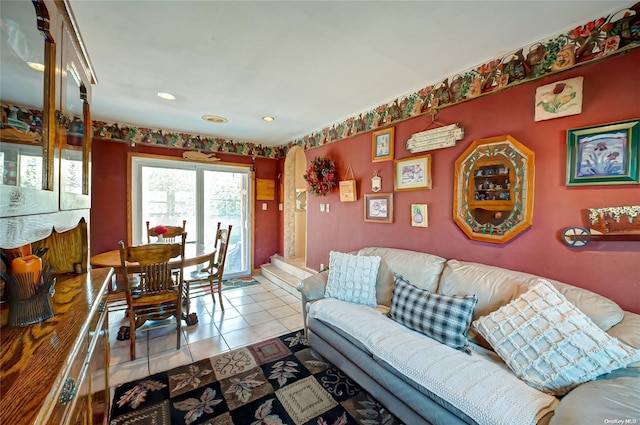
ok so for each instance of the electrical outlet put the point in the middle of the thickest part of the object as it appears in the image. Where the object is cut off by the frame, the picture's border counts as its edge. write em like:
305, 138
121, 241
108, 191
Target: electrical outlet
327, 208
264, 206
280, 206
321, 207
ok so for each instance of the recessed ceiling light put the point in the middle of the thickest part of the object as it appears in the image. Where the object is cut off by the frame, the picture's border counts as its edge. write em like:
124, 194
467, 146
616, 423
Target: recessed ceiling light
215, 119
37, 66
268, 118
166, 96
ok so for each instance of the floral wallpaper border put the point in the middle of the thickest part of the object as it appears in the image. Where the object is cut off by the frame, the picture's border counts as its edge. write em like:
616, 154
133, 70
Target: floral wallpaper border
616, 33
613, 34
155, 137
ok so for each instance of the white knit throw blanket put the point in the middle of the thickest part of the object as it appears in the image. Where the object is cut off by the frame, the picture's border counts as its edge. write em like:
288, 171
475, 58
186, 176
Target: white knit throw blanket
488, 393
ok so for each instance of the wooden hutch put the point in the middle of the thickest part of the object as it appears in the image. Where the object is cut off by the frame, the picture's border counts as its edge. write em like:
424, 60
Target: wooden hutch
54, 371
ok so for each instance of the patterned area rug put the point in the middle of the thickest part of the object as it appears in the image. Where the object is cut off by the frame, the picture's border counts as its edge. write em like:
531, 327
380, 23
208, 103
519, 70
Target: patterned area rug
239, 282
278, 381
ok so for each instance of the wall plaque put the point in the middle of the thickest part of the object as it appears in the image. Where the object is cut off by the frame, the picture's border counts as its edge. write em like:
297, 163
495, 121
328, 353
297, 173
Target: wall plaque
437, 138
265, 190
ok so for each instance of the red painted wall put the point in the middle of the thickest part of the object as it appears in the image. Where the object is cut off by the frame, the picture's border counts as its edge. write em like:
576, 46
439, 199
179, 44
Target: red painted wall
109, 197
611, 93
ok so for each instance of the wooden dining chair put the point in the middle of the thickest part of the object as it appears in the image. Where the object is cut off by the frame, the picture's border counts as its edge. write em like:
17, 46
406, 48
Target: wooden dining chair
173, 232
198, 284
158, 294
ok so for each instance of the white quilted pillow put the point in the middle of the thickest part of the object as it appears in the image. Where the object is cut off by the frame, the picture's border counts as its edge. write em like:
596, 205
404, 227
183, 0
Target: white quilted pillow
549, 343
352, 278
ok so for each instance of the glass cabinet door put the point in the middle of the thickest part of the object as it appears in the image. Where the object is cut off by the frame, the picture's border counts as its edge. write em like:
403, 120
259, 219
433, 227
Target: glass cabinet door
74, 126
27, 69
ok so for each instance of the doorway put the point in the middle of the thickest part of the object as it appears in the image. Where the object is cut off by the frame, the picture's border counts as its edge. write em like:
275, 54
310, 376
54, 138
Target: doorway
295, 206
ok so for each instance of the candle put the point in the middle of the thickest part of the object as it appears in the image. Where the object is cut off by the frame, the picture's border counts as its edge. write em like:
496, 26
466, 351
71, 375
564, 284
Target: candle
28, 264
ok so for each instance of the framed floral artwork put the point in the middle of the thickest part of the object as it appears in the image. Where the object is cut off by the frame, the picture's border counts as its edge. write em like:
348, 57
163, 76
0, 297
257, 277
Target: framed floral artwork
378, 207
559, 99
412, 173
382, 145
604, 154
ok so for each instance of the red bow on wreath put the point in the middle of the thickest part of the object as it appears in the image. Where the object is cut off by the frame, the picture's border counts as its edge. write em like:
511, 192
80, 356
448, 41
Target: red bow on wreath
321, 176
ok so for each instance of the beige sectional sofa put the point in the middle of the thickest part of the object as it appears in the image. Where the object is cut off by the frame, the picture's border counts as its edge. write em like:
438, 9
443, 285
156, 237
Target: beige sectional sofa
425, 382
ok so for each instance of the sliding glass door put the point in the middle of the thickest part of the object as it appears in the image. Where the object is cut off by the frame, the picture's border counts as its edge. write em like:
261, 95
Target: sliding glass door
169, 191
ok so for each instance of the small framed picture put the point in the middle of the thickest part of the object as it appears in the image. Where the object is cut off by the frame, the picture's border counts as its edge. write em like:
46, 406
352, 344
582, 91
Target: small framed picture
559, 99
604, 154
419, 215
412, 173
382, 145
378, 207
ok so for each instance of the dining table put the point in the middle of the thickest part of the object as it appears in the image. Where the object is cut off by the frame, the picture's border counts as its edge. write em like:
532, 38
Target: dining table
194, 255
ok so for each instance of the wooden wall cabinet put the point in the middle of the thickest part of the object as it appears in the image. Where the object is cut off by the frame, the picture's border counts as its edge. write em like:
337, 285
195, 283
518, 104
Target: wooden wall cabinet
493, 189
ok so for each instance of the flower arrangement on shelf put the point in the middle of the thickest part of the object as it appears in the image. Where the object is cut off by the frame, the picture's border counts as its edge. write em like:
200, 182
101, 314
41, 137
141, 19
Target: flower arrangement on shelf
321, 176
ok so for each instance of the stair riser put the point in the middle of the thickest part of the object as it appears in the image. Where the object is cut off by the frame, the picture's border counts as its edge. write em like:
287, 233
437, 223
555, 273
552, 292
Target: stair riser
283, 284
283, 265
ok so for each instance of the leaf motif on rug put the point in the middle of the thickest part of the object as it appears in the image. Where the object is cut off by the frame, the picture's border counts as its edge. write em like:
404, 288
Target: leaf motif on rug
136, 395
264, 417
195, 408
191, 378
297, 339
342, 420
374, 413
317, 362
241, 388
283, 370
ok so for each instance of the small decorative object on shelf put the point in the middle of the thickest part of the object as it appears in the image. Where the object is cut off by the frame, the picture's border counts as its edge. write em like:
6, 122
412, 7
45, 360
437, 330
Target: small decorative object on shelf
28, 284
606, 224
321, 176
29, 296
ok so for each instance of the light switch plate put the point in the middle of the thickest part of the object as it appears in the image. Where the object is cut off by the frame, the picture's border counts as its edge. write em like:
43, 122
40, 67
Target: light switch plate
321, 207
327, 208
280, 206
264, 206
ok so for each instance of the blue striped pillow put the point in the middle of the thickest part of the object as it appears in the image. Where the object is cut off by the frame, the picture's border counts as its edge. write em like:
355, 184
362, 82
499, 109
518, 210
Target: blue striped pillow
442, 317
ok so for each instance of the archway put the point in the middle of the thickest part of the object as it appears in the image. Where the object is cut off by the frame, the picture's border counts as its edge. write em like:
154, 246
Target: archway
295, 215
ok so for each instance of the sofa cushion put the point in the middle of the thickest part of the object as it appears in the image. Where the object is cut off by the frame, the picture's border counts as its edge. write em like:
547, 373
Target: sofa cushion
628, 331
441, 317
485, 391
551, 344
352, 278
418, 267
604, 401
495, 287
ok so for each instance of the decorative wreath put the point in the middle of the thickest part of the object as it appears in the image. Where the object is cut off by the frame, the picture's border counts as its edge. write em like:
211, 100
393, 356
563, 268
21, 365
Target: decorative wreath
321, 176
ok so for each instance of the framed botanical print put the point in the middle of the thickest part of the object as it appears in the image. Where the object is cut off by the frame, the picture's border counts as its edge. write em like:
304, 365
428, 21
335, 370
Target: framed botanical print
378, 207
604, 154
382, 145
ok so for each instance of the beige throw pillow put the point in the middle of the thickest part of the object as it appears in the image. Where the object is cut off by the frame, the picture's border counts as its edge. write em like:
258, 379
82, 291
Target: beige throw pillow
549, 343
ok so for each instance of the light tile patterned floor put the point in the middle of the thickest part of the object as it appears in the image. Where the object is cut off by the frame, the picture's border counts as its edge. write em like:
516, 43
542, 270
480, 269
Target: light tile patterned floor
251, 314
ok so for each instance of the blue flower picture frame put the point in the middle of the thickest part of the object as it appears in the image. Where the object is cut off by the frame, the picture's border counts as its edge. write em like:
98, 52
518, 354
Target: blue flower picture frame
604, 154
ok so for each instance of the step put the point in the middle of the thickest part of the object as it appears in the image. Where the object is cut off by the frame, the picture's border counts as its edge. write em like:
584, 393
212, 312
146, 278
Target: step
283, 264
283, 279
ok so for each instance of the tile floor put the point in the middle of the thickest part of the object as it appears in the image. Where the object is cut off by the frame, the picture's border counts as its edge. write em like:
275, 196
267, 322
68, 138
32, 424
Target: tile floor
252, 314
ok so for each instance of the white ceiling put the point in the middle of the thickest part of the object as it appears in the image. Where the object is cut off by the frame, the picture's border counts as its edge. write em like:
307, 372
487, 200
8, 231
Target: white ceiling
307, 63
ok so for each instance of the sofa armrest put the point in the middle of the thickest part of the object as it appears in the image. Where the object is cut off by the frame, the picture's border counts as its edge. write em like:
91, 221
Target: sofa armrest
312, 288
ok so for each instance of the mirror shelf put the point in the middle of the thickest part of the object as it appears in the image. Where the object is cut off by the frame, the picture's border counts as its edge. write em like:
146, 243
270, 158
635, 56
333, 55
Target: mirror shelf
493, 189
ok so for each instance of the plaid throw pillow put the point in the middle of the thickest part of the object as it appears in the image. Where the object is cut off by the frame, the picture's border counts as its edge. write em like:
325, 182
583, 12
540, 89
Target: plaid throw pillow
441, 317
